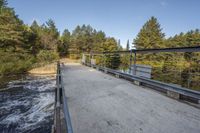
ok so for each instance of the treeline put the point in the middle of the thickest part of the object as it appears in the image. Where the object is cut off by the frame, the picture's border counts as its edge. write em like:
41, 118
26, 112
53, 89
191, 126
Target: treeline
23, 46
178, 68
86, 39
151, 36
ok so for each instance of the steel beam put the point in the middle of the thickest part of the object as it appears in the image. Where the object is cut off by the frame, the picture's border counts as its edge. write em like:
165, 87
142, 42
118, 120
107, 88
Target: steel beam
156, 50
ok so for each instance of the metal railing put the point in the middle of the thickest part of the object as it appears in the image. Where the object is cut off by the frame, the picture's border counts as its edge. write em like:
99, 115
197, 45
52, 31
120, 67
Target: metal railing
61, 106
65, 106
57, 121
184, 93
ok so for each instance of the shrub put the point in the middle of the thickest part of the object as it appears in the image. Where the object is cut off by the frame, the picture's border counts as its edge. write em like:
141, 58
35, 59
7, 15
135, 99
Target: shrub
15, 62
47, 56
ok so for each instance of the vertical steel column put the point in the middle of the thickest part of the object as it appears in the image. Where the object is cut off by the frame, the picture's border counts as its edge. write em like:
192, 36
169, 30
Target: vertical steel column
131, 58
104, 62
189, 80
90, 59
82, 59
135, 56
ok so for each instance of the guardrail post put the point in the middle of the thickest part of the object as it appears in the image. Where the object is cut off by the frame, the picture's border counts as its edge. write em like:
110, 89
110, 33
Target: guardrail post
90, 59
104, 61
135, 56
173, 94
130, 61
83, 60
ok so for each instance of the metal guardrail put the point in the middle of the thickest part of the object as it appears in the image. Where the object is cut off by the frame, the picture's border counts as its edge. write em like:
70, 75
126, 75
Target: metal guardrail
194, 96
65, 108
143, 51
61, 101
57, 121
176, 49
184, 92
141, 70
154, 50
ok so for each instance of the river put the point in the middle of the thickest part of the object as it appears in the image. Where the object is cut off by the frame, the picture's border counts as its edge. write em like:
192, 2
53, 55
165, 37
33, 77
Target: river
27, 104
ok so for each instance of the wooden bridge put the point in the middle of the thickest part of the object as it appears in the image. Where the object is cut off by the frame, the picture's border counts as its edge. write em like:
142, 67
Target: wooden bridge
101, 100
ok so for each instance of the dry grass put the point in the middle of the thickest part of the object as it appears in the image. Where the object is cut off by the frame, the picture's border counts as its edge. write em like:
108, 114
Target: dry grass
47, 69
51, 68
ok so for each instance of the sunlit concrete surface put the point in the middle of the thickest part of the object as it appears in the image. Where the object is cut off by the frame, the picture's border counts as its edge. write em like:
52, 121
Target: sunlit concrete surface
101, 103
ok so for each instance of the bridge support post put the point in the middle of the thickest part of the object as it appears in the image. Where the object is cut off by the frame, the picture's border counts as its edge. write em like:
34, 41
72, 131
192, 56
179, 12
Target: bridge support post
137, 82
130, 61
105, 70
173, 94
83, 60
134, 72
117, 76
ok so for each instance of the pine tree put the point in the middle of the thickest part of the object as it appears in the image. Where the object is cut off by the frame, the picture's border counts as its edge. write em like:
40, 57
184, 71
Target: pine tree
98, 39
35, 27
119, 45
127, 45
63, 47
49, 35
111, 60
11, 28
66, 36
3, 3
150, 36
52, 28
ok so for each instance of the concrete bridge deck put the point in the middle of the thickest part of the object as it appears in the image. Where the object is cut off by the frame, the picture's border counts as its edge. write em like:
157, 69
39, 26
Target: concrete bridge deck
101, 103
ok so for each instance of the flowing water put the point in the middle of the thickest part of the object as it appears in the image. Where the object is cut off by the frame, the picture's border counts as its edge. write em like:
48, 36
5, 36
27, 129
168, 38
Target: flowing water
27, 105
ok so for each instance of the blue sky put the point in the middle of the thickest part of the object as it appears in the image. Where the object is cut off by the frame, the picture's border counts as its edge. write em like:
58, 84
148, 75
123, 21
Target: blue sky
121, 19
